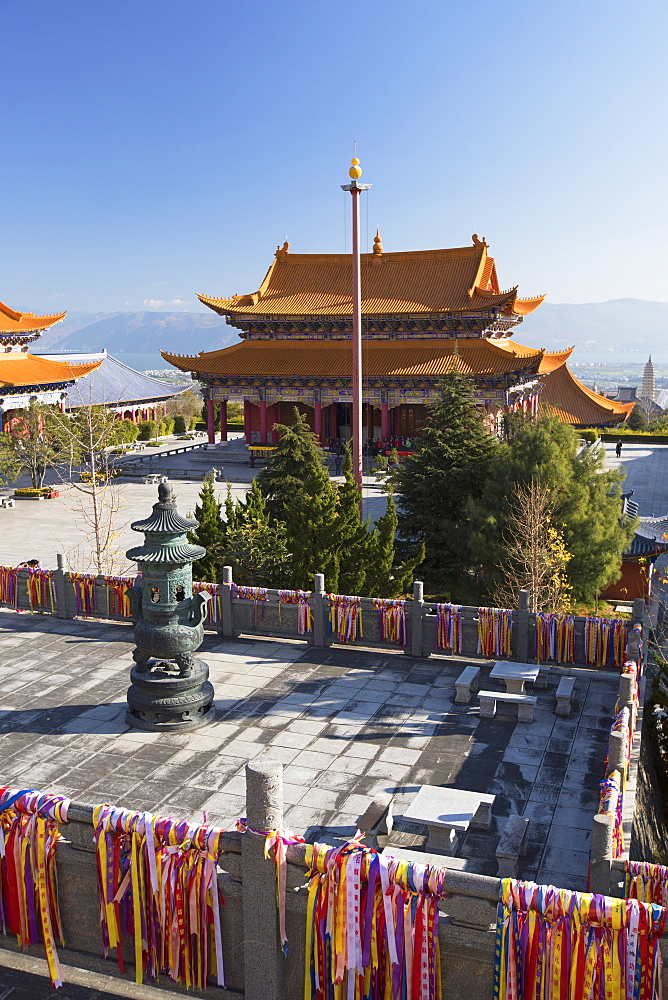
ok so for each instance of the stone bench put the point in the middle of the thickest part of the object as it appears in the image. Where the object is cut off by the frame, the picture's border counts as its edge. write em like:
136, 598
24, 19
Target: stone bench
7, 502
543, 677
564, 695
525, 704
466, 684
376, 818
511, 845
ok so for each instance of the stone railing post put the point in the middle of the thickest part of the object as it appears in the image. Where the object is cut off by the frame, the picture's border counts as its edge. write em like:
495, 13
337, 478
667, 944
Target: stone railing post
638, 613
522, 633
617, 752
61, 590
626, 686
601, 854
318, 609
225, 591
417, 608
263, 958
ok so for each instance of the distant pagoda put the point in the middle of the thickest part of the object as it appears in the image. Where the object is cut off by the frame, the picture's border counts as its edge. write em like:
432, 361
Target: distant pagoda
648, 390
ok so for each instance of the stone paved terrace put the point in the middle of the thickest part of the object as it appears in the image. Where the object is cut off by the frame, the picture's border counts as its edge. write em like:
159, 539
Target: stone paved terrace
346, 723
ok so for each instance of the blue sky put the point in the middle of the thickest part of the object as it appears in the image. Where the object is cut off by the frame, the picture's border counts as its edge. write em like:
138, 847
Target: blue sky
156, 148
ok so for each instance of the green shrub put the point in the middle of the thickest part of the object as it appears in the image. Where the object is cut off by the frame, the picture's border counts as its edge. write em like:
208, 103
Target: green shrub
590, 434
180, 426
147, 429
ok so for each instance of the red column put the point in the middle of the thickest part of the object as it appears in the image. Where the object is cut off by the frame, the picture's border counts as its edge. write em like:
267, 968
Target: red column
385, 420
247, 421
223, 420
210, 422
135, 416
62, 405
317, 421
263, 421
332, 421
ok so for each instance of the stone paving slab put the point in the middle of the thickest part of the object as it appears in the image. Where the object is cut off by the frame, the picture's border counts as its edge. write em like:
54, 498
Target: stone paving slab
346, 723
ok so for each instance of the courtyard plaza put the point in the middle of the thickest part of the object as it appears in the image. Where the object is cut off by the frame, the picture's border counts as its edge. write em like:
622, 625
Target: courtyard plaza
42, 529
347, 724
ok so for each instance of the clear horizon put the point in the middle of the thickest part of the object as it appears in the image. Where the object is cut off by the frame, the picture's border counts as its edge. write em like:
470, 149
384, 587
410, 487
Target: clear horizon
156, 150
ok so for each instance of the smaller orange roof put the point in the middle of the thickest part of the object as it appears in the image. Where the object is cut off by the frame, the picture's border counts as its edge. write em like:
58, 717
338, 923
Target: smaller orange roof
12, 321
18, 369
568, 398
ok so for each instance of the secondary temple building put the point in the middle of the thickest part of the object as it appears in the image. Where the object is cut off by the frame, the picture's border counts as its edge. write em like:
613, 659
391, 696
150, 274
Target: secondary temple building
423, 312
27, 378
69, 380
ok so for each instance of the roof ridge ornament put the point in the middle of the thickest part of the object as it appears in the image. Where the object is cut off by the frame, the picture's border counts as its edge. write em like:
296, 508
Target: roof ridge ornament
479, 243
282, 251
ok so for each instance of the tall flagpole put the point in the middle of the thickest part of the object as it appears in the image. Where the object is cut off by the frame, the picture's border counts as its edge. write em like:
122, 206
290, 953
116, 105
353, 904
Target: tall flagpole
355, 188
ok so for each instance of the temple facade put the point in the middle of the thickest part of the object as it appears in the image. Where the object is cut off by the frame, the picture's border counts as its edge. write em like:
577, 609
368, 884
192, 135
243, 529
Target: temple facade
26, 378
423, 313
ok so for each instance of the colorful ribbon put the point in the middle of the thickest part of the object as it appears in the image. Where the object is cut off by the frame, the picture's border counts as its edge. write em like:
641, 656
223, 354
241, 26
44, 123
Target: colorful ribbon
647, 882
304, 613
256, 594
157, 880
391, 620
41, 588
556, 944
495, 631
117, 600
449, 632
612, 804
345, 616
371, 926
605, 641
8, 589
214, 610
83, 585
277, 840
555, 637
29, 828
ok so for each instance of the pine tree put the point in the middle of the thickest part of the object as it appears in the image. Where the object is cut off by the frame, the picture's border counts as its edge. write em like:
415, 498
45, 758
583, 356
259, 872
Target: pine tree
298, 492
448, 467
209, 533
255, 548
385, 577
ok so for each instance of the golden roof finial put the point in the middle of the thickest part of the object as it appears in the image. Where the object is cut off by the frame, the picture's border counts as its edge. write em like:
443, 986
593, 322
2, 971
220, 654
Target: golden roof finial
355, 171
377, 243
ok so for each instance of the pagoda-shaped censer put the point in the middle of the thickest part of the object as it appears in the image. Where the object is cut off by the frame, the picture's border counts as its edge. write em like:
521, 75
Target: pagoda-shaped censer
170, 689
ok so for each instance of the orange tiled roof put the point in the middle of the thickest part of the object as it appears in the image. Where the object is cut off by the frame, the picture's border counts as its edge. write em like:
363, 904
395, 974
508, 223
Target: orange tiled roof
18, 368
574, 403
333, 359
416, 282
12, 321
550, 359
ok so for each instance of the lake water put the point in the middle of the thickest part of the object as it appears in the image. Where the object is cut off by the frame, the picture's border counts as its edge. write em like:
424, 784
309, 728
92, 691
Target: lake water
144, 362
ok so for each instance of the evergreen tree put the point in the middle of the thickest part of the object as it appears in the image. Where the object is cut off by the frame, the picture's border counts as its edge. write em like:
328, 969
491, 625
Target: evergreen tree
254, 548
352, 540
298, 492
384, 577
209, 532
586, 505
448, 467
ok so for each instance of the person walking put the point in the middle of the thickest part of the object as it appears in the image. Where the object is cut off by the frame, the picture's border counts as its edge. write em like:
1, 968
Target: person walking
618, 448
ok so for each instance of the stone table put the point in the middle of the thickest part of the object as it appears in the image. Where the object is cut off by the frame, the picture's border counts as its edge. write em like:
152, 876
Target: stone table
515, 675
447, 812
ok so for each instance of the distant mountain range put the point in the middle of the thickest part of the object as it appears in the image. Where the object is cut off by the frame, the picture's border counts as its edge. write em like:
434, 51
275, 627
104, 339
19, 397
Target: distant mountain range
618, 330
138, 333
